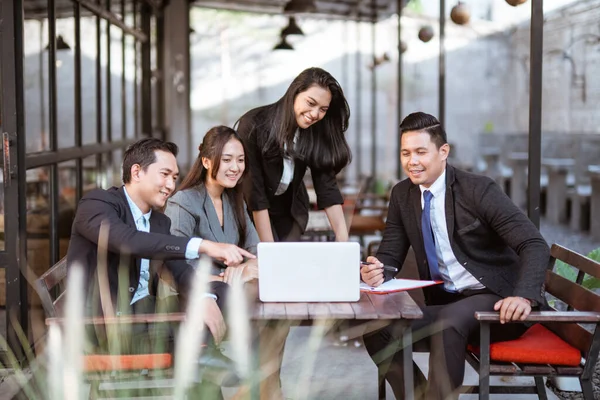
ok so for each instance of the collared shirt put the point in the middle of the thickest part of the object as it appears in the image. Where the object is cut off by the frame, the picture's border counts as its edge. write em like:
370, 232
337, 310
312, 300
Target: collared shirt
288, 171
142, 224
456, 277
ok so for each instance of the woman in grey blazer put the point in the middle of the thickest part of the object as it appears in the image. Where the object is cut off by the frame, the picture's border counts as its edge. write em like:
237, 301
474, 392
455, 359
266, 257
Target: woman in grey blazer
209, 203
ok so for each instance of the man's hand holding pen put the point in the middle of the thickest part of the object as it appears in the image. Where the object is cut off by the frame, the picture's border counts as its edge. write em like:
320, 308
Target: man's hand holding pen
371, 272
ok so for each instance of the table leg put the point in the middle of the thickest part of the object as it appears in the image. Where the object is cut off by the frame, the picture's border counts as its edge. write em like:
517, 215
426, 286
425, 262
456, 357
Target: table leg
409, 383
381, 387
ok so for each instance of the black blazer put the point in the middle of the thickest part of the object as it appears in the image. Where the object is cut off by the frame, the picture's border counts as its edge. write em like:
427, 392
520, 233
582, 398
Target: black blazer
126, 247
489, 235
265, 173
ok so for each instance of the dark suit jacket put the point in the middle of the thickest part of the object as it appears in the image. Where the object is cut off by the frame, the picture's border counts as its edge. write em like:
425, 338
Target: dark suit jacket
265, 173
126, 247
489, 235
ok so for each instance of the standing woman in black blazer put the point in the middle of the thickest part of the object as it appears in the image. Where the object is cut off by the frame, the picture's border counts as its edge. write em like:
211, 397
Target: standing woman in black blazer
305, 128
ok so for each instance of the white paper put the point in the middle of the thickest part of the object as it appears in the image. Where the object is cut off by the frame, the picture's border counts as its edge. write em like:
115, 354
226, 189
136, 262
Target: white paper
396, 285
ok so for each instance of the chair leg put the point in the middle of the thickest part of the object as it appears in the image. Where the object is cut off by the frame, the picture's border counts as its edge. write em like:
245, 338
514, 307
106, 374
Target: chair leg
587, 388
484, 361
94, 389
540, 387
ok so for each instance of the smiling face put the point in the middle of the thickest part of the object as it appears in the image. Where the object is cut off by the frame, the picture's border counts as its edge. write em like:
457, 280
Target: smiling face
150, 188
422, 161
311, 105
231, 165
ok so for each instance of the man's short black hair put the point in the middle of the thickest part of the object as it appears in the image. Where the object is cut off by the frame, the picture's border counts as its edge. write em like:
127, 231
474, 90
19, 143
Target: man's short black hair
420, 121
142, 152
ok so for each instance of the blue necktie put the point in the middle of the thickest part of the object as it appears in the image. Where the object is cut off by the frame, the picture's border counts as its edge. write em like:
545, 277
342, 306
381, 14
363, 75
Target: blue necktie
428, 238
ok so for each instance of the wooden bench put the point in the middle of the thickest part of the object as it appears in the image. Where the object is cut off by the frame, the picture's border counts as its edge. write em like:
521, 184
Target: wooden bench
106, 367
557, 345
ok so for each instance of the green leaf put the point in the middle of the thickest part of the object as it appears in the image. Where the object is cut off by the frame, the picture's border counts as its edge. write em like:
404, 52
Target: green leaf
565, 270
595, 254
568, 272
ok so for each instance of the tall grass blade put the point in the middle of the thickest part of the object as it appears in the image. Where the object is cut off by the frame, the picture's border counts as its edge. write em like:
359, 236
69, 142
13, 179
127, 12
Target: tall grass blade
317, 333
55, 363
191, 332
74, 334
239, 326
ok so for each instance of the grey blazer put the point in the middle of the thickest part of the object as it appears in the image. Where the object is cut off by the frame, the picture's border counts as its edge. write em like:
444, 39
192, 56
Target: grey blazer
193, 214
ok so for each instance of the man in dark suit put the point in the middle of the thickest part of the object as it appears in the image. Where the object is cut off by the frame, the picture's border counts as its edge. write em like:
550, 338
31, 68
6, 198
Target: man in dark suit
124, 225
466, 233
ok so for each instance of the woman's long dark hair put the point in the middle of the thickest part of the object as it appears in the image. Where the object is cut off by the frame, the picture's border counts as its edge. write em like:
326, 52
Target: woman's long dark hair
212, 148
323, 145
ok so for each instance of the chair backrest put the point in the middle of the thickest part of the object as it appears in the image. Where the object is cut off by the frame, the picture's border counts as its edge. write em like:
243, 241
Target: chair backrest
45, 286
572, 293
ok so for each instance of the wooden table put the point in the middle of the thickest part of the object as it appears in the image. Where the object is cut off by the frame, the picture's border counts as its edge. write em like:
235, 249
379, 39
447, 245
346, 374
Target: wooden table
380, 308
318, 226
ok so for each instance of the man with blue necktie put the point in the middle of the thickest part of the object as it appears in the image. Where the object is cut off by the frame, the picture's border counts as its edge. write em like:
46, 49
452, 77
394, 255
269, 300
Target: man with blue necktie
466, 233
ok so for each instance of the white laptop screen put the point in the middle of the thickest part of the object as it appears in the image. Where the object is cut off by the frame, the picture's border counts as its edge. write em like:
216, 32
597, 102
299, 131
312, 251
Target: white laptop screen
309, 271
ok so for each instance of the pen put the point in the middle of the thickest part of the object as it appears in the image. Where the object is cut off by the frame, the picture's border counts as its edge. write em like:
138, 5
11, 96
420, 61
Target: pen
385, 267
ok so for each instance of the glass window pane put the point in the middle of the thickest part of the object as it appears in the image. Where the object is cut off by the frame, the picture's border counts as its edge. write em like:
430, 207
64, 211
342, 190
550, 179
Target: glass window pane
66, 202
90, 174
38, 221
117, 166
36, 85
136, 106
65, 83
116, 69
38, 240
88, 79
105, 25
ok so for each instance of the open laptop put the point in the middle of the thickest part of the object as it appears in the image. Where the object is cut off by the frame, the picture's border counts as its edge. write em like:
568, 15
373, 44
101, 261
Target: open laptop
308, 271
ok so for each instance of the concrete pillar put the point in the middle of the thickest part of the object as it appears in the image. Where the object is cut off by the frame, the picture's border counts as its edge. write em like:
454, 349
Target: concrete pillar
556, 199
580, 208
177, 80
518, 183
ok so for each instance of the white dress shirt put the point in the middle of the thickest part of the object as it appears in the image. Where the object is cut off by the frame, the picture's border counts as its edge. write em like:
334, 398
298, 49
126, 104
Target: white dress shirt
288, 171
456, 277
142, 224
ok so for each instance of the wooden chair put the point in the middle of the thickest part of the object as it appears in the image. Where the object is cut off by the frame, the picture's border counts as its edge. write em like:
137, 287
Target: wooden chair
106, 367
369, 213
557, 345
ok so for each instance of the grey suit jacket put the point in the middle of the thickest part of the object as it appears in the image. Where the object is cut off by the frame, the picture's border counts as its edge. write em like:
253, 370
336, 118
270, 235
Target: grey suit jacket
192, 213
489, 235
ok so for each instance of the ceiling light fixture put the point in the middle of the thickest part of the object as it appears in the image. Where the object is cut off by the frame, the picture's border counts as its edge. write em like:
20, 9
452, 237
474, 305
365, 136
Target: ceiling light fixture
283, 45
300, 6
60, 44
292, 28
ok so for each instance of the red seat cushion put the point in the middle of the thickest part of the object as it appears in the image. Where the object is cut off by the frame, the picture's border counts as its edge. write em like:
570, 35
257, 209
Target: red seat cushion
537, 345
107, 362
